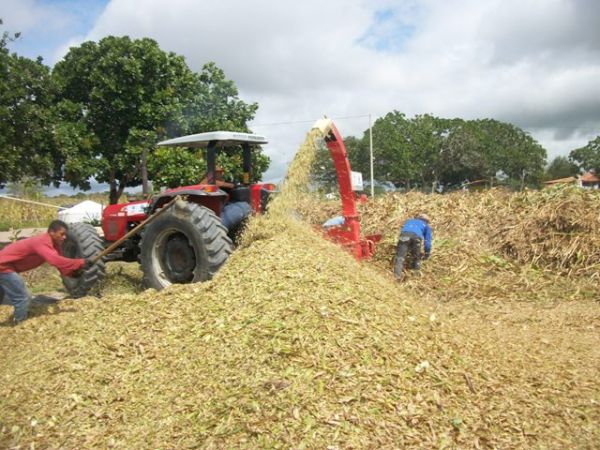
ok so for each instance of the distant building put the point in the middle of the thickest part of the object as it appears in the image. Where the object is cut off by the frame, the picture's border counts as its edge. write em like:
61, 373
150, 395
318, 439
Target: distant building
477, 185
567, 180
588, 180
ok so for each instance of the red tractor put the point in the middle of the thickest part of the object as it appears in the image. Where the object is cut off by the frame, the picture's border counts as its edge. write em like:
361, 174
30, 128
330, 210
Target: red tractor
193, 236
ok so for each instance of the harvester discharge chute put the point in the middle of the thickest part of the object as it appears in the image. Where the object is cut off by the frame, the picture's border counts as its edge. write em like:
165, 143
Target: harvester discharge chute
348, 233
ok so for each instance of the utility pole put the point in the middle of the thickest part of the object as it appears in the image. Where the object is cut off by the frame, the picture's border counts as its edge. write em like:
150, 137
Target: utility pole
371, 157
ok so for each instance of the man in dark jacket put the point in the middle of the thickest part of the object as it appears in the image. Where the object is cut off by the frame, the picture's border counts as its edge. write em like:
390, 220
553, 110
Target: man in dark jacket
28, 254
414, 233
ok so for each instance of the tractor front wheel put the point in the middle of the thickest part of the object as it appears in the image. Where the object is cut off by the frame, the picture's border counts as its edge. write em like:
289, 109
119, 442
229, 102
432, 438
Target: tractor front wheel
186, 244
83, 241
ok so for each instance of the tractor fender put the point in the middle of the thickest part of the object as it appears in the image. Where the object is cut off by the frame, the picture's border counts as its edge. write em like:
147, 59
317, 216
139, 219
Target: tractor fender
212, 199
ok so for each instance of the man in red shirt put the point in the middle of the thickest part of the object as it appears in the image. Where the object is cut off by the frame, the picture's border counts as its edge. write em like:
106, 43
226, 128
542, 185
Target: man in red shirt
28, 254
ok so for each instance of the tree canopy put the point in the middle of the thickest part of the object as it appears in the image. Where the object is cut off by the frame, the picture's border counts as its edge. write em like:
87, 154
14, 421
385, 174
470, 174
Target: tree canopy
427, 150
214, 106
587, 157
119, 96
101, 110
27, 146
124, 91
561, 167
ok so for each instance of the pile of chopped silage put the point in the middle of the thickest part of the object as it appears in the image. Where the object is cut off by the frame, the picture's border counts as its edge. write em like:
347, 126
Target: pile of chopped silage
555, 229
294, 344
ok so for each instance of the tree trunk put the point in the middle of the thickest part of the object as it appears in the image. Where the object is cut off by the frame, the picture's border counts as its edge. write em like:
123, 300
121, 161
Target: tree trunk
116, 190
114, 195
112, 182
144, 170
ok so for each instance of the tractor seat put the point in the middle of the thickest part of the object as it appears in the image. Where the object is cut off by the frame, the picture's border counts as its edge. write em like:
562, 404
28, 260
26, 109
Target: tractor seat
240, 194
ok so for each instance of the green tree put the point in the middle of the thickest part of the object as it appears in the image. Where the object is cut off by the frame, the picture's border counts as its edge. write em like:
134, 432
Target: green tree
406, 151
130, 94
179, 166
588, 157
77, 143
394, 152
426, 137
27, 146
26, 187
214, 105
512, 151
323, 171
461, 157
126, 93
174, 167
561, 167
429, 150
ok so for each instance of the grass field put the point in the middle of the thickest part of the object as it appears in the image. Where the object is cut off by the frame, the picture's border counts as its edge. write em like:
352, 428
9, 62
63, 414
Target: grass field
15, 214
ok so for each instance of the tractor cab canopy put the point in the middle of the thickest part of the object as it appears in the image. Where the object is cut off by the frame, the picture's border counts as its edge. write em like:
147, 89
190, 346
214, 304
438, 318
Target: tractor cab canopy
219, 139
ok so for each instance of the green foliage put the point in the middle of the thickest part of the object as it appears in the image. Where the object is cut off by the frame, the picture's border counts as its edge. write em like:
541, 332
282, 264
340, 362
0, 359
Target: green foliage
214, 106
27, 187
173, 167
77, 144
462, 155
118, 97
323, 171
27, 146
394, 150
231, 162
125, 92
176, 166
428, 150
512, 151
561, 167
588, 157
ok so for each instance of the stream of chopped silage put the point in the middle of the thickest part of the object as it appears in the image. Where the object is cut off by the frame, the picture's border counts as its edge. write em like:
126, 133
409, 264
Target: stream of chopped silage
294, 344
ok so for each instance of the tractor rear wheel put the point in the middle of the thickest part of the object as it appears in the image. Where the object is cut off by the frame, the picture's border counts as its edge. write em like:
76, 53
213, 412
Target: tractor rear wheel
83, 241
186, 244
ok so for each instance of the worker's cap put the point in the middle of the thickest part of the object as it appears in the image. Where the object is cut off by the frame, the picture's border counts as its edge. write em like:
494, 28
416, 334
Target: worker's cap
424, 217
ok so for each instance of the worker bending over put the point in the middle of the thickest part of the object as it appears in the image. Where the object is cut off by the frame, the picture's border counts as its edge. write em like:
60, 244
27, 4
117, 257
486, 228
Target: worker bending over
414, 232
27, 254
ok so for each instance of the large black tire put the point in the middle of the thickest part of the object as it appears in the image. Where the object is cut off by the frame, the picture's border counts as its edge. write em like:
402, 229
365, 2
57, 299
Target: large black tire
83, 241
186, 244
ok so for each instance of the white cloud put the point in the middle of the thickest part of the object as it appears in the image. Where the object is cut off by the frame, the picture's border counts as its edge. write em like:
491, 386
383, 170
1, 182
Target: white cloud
60, 52
531, 62
27, 15
46, 25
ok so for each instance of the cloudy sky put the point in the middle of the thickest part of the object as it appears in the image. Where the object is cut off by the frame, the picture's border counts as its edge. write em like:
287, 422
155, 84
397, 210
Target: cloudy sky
534, 63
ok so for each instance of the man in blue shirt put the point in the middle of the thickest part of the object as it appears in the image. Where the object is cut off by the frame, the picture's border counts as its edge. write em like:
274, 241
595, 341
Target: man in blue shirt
414, 232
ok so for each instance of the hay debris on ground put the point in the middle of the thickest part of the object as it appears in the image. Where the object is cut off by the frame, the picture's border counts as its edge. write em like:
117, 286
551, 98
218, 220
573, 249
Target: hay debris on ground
294, 344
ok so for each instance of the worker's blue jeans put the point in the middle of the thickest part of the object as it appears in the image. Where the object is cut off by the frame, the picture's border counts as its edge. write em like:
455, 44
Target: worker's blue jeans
234, 213
16, 294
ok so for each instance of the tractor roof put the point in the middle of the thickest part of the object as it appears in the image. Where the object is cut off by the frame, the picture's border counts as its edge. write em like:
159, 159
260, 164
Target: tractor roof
223, 138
